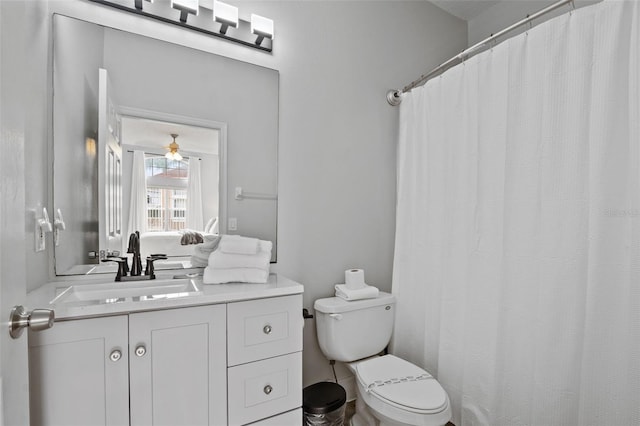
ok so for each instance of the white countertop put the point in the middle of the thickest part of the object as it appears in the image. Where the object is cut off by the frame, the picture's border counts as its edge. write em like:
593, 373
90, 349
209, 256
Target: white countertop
207, 294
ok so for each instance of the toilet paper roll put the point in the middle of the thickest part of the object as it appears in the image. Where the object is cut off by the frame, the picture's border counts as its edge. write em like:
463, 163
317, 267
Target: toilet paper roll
354, 279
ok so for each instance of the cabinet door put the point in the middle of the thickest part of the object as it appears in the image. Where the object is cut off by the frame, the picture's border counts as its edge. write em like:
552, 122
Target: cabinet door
78, 373
178, 366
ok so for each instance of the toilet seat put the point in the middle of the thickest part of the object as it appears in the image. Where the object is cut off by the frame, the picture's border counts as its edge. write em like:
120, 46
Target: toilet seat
401, 384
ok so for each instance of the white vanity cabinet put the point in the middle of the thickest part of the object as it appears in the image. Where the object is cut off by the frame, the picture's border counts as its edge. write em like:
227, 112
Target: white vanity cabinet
229, 363
170, 363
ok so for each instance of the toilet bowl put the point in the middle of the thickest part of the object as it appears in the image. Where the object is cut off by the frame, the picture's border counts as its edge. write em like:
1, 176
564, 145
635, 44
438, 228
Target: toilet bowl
390, 390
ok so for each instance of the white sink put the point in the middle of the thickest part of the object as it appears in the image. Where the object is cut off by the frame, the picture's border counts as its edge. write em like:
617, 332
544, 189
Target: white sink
126, 291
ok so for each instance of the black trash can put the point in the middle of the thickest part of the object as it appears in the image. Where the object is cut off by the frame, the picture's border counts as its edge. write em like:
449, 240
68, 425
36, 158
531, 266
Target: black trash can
324, 404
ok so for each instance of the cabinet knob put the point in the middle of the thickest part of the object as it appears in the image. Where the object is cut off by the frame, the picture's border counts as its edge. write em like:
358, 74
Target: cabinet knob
267, 389
141, 350
115, 355
267, 329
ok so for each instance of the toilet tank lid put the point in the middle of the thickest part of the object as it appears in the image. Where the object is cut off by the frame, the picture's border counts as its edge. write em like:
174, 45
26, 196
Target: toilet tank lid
336, 305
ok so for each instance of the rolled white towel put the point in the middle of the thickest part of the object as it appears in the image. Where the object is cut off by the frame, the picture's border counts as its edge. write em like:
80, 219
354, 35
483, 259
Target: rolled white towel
236, 244
234, 275
201, 252
261, 260
366, 292
199, 260
210, 244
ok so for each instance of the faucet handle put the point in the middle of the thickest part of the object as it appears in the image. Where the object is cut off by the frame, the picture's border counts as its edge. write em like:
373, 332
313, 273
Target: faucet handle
123, 268
149, 270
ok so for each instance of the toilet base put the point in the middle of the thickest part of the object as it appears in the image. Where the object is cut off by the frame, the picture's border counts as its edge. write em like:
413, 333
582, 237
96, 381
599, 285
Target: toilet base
362, 416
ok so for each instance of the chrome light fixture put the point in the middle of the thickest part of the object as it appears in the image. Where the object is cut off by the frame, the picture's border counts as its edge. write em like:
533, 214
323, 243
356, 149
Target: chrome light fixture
173, 153
185, 7
225, 14
222, 21
262, 27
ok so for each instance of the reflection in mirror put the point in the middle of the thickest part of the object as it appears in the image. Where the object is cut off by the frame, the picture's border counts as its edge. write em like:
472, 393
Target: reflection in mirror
163, 193
116, 93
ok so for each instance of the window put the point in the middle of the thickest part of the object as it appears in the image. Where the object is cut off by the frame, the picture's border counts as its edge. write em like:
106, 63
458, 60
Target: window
166, 193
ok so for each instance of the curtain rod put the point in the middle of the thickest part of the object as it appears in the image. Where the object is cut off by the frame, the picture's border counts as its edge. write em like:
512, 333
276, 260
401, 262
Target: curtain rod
394, 97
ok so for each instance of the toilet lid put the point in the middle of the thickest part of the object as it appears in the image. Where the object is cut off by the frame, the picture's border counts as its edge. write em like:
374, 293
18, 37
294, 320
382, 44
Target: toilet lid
401, 383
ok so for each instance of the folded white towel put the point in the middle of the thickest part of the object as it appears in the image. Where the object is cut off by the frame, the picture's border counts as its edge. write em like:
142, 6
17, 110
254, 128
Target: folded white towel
234, 275
261, 260
366, 292
237, 244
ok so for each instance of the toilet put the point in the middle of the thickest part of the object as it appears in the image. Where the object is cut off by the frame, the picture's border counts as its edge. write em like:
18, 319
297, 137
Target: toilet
390, 390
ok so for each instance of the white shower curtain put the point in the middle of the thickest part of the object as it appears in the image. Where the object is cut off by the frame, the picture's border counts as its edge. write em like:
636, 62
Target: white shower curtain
138, 200
517, 262
194, 217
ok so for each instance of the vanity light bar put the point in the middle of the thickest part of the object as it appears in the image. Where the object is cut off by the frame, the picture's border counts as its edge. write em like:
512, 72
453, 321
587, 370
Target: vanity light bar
225, 14
186, 7
262, 27
218, 22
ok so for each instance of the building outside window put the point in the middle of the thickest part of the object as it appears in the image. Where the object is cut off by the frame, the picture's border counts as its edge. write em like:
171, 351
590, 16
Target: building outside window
166, 193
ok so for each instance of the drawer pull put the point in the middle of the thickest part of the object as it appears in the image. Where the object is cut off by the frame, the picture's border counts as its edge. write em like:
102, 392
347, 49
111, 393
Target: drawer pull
115, 355
267, 329
267, 389
141, 350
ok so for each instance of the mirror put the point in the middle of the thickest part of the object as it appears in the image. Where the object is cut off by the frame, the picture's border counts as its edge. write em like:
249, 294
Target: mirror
117, 92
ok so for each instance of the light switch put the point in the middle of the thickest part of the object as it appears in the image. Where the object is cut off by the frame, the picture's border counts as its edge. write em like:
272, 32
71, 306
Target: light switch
233, 224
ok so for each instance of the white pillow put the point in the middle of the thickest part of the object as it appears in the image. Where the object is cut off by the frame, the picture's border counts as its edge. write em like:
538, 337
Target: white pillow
208, 228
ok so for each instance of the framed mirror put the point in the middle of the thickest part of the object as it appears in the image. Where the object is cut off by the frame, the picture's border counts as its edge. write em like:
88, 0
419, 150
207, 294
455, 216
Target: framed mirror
116, 93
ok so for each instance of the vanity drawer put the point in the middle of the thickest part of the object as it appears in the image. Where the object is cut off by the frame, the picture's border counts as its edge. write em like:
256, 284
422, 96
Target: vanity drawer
264, 388
264, 328
292, 418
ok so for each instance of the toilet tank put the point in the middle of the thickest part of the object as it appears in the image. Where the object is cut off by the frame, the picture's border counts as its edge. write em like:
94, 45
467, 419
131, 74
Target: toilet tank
352, 330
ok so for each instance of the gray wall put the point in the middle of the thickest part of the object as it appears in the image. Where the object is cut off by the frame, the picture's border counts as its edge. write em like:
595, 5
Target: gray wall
337, 145
338, 135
